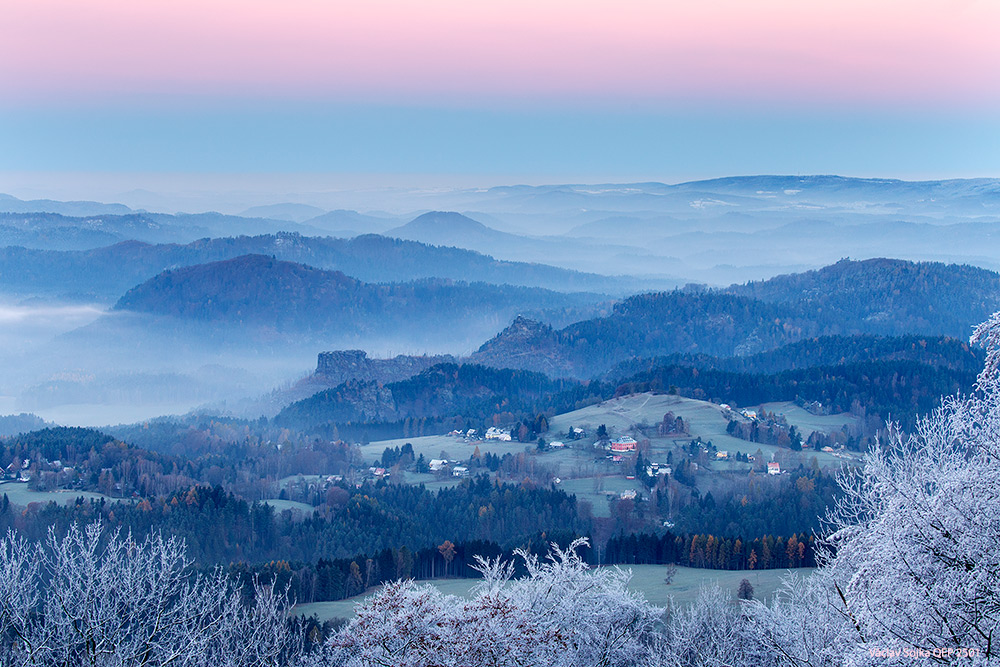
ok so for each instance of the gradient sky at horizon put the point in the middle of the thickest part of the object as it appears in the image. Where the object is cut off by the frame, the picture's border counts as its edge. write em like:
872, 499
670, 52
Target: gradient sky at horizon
520, 91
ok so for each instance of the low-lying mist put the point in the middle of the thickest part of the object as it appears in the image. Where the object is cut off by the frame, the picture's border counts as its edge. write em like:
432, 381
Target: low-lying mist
84, 366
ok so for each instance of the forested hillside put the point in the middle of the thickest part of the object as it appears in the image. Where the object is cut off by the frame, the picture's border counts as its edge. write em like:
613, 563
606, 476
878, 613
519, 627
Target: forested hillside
219, 527
938, 351
887, 296
881, 297
446, 394
107, 272
256, 291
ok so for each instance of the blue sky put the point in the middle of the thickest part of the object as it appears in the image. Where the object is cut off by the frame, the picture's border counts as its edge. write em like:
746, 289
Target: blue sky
543, 145
459, 93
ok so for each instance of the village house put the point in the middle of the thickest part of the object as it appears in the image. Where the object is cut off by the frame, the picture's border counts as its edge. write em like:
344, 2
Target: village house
773, 468
623, 444
437, 464
493, 433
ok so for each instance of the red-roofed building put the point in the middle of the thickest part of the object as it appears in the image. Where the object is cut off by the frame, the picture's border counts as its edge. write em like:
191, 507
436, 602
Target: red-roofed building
623, 444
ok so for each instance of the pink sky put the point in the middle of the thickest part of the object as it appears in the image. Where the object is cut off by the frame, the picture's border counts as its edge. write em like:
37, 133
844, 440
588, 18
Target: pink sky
934, 54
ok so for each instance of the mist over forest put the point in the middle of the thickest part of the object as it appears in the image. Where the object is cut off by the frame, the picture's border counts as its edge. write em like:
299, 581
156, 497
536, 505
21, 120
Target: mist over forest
109, 278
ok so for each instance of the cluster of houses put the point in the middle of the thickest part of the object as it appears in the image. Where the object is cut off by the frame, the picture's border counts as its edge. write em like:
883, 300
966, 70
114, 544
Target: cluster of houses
471, 434
438, 465
18, 473
48, 474
492, 433
729, 413
303, 487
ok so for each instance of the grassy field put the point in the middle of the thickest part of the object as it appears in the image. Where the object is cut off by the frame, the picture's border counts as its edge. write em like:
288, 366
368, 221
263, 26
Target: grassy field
281, 505
646, 579
19, 494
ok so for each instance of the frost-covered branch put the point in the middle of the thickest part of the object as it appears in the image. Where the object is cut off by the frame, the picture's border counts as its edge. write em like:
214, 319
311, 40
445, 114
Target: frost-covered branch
89, 598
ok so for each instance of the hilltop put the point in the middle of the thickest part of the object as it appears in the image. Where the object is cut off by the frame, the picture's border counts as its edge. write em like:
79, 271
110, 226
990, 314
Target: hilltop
259, 296
875, 297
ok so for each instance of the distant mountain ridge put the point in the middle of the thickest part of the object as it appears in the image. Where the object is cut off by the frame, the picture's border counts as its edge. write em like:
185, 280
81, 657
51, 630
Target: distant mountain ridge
9, 204
55, 231
716, 231
107, 272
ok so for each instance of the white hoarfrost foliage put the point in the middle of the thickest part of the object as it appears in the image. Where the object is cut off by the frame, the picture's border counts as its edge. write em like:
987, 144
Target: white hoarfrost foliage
804, 625
562, 613
712, 632
912, 570
110, 601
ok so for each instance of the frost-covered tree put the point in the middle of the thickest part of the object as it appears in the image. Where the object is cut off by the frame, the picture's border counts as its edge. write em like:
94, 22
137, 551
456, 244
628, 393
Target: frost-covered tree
714, 631
562, 613
912, 570
803, 625
106, 600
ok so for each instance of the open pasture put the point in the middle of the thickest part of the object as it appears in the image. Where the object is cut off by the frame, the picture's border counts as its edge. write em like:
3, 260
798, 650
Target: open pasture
646, 579
19, 494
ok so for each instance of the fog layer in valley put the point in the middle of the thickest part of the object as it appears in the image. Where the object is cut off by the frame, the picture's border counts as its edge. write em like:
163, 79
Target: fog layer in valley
114, 313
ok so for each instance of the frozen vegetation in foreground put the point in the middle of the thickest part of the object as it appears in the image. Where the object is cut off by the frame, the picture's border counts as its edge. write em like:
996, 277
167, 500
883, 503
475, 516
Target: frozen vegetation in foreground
910, 575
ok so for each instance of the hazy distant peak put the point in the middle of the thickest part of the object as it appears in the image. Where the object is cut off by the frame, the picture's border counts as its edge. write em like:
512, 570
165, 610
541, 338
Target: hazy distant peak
10, 204
290, 211
444, 221
447, 228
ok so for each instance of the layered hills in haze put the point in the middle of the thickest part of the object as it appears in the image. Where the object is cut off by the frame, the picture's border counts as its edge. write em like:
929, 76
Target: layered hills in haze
178, 300
103, 274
